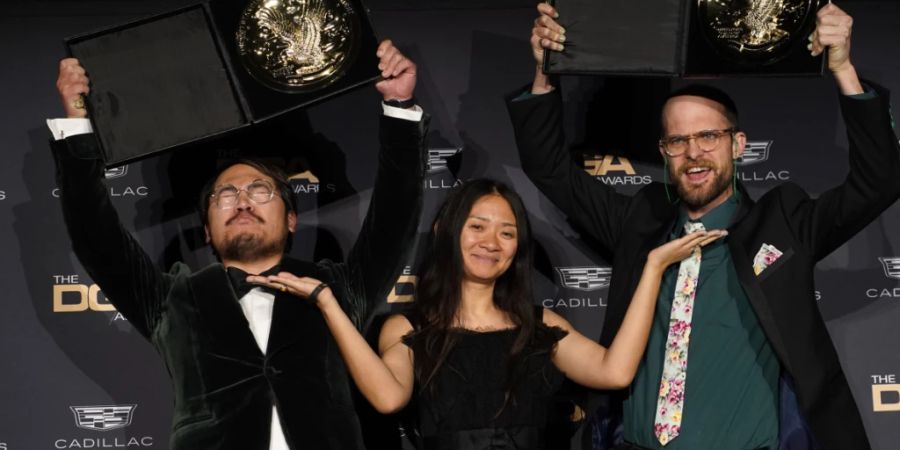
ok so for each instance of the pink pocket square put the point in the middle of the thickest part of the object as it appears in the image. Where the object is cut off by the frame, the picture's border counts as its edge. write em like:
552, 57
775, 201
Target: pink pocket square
766, 255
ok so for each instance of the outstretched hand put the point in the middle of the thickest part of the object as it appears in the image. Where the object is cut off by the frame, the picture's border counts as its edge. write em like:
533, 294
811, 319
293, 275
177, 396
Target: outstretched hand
678, 249
300, 286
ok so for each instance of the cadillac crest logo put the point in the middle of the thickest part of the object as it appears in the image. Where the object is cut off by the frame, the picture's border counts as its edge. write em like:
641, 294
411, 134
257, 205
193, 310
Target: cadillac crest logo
585, 278
103, 418
437, 158
116, 172
754, 152
891, 266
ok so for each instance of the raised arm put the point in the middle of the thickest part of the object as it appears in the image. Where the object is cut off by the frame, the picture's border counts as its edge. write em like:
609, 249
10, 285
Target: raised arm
589, 363
112, 257
873, 182
385, 380
833, 29
537, 121
396, 203
547, 34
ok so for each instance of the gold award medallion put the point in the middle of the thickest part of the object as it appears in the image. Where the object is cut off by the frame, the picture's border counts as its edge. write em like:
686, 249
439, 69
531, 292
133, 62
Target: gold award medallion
298, 45
755, 31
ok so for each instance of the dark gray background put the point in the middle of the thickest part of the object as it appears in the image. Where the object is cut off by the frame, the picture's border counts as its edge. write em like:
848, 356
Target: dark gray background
469, 55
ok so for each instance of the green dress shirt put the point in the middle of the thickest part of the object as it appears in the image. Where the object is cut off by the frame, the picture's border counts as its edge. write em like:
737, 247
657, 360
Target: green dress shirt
731, 392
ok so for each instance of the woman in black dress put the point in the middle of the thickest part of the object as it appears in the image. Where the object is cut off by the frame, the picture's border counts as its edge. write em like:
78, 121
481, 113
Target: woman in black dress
482, 361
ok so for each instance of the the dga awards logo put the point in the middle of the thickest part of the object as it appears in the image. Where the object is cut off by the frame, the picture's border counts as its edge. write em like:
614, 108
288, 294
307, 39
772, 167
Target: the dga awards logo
584, 279
118, 189
70, 295
757, 152
404, 289
614, 170
891, 267
101, 419
885, 393
308, 183
439, 174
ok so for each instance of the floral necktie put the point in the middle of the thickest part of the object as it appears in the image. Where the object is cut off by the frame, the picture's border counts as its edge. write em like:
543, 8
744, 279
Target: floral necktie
670, 402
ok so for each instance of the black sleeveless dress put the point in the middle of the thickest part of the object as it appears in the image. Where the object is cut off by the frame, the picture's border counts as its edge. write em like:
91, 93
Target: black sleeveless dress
466, 407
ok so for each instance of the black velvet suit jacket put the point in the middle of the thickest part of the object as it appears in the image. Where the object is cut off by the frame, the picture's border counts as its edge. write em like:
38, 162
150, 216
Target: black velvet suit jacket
224, 386
805, 229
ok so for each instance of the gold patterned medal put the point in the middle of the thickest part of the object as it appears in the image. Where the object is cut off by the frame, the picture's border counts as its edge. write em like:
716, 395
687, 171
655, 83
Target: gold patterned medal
755, 31
298, 45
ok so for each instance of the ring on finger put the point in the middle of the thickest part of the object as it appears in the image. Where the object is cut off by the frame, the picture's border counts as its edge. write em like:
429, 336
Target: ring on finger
78, 103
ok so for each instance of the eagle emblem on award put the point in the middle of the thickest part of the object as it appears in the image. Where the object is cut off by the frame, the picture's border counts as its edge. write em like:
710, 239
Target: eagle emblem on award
753, 32
297, 45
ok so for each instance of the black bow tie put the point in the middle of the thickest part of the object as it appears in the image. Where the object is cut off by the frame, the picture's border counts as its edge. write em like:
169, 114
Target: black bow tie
239, 281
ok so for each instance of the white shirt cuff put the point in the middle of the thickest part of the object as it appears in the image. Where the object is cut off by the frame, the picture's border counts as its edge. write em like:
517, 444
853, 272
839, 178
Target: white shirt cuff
63, 128
414, 114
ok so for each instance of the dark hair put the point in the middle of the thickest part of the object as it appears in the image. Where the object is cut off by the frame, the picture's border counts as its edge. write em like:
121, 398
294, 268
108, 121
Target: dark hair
438, 295
278, 176
710, 93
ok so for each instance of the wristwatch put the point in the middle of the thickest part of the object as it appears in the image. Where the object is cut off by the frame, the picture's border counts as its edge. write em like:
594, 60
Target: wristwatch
405, 104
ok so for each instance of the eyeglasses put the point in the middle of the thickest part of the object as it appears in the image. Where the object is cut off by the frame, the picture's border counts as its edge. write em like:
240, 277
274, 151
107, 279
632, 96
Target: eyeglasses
258, 192
707, 140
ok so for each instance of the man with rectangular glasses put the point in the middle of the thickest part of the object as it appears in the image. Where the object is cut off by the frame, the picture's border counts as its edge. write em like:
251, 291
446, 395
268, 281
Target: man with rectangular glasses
252, 368
738, 355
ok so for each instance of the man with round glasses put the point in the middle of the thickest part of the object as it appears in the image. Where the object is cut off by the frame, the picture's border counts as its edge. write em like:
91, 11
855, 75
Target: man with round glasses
252, 367
738, 355
707, 140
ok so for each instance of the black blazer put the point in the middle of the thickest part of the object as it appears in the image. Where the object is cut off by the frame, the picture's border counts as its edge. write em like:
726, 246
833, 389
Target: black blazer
224, 386
805, 229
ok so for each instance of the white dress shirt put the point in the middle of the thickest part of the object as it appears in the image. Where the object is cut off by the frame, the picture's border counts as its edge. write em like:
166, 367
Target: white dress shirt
257, 306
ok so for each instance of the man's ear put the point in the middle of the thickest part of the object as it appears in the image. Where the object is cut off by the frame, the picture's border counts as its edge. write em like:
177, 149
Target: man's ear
738, 144
206, 233
291, 221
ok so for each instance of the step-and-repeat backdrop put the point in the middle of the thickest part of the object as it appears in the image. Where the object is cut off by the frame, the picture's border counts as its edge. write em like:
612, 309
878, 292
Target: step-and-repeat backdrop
65, 352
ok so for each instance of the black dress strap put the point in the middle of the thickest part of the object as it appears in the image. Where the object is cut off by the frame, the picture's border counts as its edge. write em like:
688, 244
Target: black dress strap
415, 319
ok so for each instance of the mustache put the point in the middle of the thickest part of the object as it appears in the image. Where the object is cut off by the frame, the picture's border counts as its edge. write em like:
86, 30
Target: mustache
241, 214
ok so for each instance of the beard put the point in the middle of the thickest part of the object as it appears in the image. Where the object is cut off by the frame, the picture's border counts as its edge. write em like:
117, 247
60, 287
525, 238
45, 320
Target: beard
697, 198
248, 247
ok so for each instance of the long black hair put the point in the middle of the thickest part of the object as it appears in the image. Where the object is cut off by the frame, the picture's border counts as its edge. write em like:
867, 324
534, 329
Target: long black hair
438, 294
